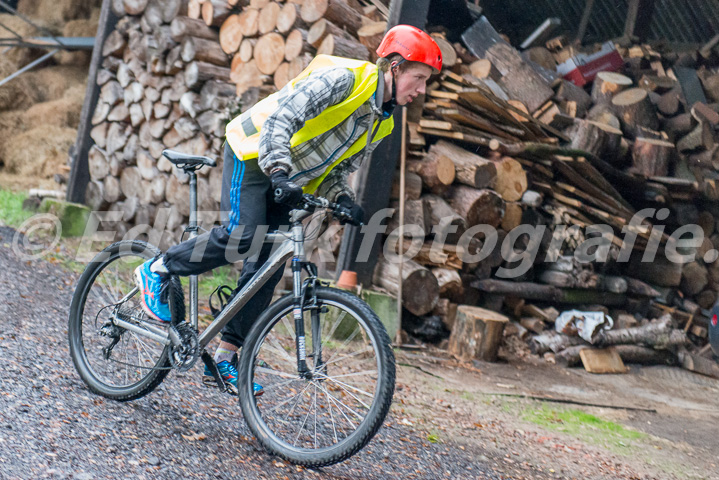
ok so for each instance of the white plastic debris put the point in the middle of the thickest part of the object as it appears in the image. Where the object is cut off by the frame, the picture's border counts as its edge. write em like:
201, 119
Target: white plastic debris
583, 324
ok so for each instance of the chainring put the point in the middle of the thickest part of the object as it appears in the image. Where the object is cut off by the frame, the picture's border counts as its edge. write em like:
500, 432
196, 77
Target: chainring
184, 356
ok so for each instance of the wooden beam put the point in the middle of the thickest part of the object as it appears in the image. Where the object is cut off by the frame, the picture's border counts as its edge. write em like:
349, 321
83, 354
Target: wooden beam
639, 17
376, 176
79, 174
582, 30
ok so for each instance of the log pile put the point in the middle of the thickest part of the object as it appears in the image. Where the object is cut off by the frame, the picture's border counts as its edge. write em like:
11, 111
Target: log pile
546, 154
175, 72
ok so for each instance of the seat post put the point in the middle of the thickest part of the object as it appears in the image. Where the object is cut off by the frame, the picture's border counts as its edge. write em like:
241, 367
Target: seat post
192, 226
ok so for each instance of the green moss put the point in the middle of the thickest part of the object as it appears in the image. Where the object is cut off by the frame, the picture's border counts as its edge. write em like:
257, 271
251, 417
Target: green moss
585, 426
11, 211
73, 216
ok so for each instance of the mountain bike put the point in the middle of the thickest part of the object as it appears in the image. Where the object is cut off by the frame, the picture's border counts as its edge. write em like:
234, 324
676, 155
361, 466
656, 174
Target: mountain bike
322, 355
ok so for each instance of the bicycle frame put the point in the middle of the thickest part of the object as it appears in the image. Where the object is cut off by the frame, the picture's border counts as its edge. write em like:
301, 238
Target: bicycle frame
290, 246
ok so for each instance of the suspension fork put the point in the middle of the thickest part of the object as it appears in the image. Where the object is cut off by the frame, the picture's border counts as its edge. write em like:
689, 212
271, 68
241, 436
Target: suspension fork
297, 311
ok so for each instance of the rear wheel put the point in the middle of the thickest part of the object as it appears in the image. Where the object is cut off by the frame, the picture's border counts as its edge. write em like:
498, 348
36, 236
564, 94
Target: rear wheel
115, 362
335, 411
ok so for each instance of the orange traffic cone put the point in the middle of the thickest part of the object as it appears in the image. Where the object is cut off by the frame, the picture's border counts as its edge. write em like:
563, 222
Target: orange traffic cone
347, 280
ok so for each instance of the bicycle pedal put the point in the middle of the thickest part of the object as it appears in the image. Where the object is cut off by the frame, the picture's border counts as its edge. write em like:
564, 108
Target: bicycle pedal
209, 382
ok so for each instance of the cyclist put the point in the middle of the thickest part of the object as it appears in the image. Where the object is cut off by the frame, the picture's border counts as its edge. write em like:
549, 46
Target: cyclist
306, 138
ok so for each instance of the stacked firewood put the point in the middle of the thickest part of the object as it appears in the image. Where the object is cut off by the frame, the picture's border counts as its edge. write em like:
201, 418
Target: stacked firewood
272, 42
640, 137
175, 72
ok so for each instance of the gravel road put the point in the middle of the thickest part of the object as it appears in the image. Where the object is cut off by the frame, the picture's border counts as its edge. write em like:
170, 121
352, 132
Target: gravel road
51, 426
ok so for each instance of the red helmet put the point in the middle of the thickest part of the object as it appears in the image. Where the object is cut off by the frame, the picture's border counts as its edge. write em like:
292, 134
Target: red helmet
413, 44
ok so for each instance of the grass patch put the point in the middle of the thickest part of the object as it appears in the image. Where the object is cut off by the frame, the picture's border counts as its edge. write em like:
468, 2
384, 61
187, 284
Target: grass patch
11, 211
585, 426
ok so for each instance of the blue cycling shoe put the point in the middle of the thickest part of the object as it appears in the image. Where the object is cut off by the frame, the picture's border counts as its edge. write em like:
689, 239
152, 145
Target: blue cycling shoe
228, 372
151, 286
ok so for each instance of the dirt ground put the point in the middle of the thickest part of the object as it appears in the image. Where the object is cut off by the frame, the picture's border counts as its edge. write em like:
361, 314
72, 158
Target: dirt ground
671, 415
514, 419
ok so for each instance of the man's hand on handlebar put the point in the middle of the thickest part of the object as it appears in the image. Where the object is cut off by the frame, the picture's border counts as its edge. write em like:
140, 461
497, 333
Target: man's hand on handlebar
285, 190
355, 212
342, 213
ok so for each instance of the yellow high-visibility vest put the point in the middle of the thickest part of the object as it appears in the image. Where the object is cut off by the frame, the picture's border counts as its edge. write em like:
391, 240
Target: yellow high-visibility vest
243, 132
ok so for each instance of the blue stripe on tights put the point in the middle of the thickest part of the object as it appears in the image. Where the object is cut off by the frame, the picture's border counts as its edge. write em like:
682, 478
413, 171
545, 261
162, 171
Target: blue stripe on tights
235, 193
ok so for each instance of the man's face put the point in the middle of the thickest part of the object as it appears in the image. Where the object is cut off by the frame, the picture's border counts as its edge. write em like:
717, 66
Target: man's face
411, 81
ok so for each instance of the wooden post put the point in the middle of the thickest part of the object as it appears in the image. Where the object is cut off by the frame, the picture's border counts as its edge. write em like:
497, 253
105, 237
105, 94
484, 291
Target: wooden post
584, 22
639, 16
80, 174
400, 247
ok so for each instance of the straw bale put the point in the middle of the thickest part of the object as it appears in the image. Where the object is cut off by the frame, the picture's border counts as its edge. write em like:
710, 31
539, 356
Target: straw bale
84, 27
40, 151
16, 93
50, 83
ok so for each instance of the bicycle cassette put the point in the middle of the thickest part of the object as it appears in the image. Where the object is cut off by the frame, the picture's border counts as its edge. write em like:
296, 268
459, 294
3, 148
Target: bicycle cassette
184, 355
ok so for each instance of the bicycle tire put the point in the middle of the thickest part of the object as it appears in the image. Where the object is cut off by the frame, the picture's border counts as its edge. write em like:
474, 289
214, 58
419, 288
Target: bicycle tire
155, 374
376, 413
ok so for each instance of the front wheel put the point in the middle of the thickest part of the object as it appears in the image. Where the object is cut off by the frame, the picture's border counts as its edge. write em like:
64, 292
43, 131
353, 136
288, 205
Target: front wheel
327, 416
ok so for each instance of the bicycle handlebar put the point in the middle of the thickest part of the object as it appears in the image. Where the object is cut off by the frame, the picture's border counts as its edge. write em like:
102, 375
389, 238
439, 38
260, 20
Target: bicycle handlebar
310, 202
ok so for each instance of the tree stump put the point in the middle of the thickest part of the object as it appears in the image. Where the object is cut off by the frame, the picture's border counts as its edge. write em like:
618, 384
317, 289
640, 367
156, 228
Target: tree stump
420, 291
635, 109
267, 19
476, 206
470, 169
342, 47
607, 85
231, 34
289, 18
269, 53
436, 169
449, 281
476, 334
182, 27
371, 35
296, 44
321, 28
511, 179
651, 158
593, 137
442, 220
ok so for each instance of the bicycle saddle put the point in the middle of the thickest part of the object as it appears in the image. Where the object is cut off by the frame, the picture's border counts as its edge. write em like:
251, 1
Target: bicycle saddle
183, 159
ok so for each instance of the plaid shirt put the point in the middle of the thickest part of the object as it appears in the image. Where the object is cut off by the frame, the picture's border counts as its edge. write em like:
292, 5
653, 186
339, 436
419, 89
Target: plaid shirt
309, 160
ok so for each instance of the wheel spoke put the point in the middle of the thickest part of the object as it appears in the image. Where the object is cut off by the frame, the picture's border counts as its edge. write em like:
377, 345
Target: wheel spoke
330, 407
347, 389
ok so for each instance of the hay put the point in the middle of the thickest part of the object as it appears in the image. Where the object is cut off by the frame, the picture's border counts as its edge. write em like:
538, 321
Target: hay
40, 151
54, 13
51, 83
77, 28
64, 112
16, 93
18, 57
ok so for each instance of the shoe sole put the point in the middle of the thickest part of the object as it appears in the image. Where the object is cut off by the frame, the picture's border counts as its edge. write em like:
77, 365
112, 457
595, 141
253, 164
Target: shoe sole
209, 381
143, 304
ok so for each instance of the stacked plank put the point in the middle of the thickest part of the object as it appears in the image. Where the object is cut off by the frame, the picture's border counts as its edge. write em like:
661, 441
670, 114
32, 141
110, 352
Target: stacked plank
641, 137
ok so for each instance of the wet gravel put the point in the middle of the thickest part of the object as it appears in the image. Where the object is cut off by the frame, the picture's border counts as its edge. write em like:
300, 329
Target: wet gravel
52, 426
